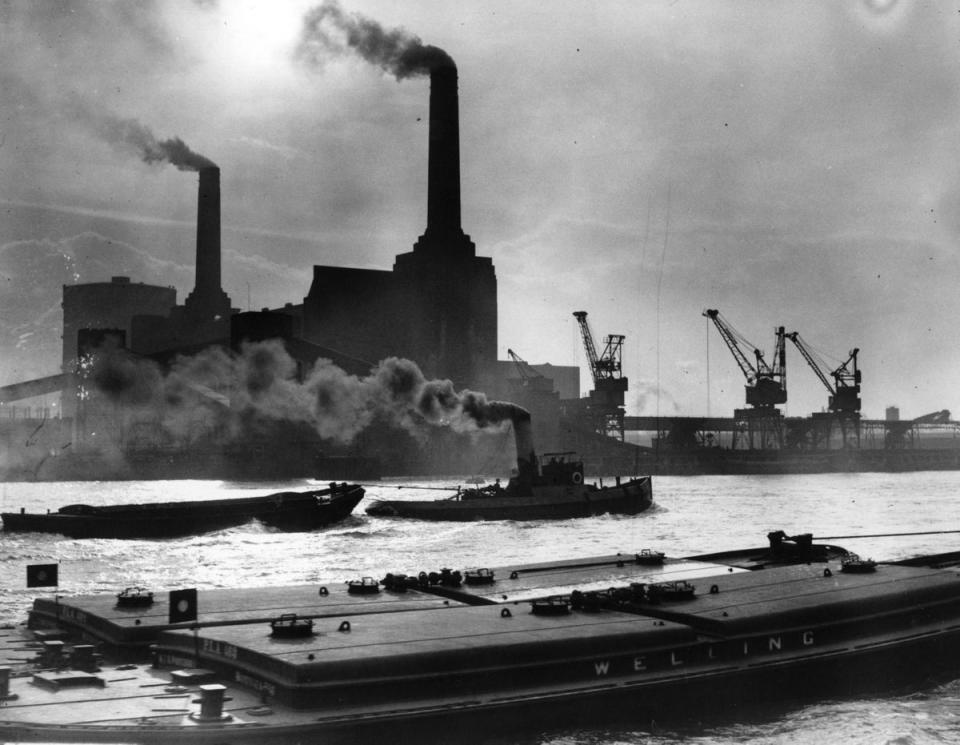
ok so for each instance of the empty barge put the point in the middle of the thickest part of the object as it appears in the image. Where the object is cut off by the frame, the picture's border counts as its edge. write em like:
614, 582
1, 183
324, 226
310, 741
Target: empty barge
593, 638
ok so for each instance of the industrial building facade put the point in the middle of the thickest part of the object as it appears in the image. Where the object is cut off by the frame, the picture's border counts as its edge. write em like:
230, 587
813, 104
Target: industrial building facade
439, 304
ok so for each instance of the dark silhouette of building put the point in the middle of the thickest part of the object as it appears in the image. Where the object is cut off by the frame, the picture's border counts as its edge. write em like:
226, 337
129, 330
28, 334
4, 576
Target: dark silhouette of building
110, 304
438, 306
106, 305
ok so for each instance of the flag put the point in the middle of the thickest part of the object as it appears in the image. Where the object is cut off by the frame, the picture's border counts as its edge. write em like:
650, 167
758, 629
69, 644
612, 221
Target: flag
183, 605
42, 575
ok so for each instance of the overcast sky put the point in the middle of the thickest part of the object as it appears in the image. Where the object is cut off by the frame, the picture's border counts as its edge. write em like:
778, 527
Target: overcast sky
789, 163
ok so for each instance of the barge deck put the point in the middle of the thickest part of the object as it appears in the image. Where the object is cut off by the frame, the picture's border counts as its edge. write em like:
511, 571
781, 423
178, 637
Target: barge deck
432, 649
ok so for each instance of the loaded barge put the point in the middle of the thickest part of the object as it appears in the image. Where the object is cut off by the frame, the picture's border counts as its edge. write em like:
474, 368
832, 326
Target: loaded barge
289, 511
631, 633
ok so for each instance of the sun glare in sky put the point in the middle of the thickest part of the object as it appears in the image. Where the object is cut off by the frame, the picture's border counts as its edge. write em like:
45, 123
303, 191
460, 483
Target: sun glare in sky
255, 40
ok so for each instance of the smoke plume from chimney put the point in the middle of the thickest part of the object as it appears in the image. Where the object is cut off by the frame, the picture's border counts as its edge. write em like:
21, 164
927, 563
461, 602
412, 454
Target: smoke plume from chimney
329, 31
131, 135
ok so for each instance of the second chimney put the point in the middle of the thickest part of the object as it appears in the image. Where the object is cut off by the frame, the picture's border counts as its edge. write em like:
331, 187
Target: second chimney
207, 284
208, 301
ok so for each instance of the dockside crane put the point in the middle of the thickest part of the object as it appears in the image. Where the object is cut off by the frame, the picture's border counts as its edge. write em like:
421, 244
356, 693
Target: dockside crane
761, 425
844, 401
529, 376
845, 390
766, 384
609, 385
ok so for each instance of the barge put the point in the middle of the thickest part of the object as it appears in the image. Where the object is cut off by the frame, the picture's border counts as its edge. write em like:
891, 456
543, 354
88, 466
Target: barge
289, 511
595, 638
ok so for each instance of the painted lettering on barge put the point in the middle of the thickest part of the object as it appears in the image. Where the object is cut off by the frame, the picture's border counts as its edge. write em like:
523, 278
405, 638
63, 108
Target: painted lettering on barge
72, 614
221, 649
165, 659
255, 684
704, 653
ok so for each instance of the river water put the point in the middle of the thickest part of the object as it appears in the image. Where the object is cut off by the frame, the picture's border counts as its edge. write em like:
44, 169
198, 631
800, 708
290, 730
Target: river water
691, 515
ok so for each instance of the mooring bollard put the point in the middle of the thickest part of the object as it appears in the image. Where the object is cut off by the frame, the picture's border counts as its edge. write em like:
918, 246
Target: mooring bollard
211, 703
84, 658
53, 653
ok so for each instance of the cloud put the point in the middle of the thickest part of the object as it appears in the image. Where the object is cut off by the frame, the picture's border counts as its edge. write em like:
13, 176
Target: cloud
284, 151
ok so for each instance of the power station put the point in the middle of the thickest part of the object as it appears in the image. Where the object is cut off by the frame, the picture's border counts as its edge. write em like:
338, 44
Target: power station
437, 306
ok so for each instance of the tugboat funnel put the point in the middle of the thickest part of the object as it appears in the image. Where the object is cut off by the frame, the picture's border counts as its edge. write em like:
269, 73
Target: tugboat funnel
526, 455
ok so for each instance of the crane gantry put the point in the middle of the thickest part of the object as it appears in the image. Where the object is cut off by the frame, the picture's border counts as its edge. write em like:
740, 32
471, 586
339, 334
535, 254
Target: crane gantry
766, 384
526, 372
609, 385
844, 402
530, 377
761, 425
845, 390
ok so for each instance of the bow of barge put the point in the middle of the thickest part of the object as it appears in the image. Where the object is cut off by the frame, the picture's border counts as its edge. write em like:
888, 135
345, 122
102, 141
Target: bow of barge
288, 511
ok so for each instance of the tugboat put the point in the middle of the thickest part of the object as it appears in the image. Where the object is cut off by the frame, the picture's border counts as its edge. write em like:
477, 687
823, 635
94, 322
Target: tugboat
491, 657
548, 487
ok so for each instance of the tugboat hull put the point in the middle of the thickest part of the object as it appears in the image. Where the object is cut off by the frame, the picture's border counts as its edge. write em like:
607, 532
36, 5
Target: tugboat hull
560, 503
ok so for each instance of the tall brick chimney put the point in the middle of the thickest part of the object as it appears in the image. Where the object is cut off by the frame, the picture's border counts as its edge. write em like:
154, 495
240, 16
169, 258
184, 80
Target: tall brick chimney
208, 232
443, 189
208, 299
446, 294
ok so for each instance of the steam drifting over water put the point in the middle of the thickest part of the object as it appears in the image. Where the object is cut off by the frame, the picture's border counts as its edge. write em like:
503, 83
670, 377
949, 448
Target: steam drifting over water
260, 381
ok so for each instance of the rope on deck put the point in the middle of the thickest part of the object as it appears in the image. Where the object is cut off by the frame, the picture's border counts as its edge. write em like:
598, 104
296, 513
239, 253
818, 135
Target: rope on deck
882, 535
410, 486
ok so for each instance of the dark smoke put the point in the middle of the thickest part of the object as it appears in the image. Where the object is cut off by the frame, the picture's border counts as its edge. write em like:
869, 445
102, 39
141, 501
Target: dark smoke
329, 31
125, 380
261, 382
131, 135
